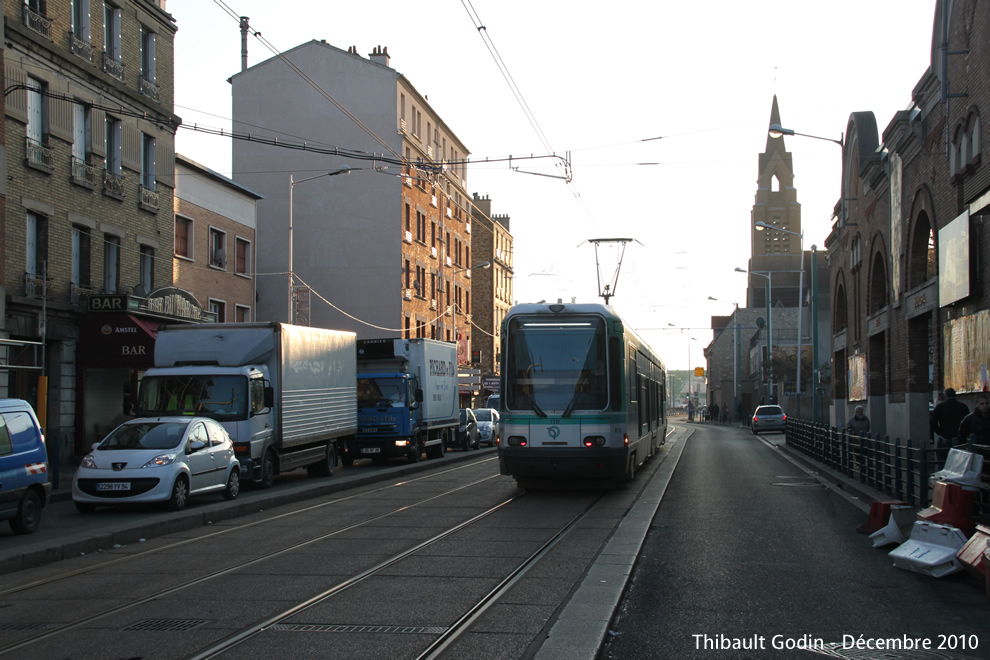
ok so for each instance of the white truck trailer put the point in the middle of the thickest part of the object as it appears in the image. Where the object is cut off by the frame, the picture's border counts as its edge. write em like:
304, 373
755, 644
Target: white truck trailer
286, 394
407, 399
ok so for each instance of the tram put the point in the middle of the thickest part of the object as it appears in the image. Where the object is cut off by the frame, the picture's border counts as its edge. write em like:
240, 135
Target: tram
582, 395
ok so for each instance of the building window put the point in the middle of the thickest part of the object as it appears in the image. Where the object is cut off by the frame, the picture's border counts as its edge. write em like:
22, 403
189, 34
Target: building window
81, 246
36, 247
111, 263
242, 258
148, 161
147, 266
148, 39
242, 314
114, 145
218, 252
80, 19
183, 237
219, 308
111, 41
37, 123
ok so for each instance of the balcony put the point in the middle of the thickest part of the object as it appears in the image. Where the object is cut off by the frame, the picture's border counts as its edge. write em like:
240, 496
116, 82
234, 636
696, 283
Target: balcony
150, 89
36, 286
408, 237
39, 156
113, 67
433, 303
402, 127
433, 252
449, 261
79, 294
83, 174
40, 24
467, 227
407, 294
148, 198
113, 185
82, 49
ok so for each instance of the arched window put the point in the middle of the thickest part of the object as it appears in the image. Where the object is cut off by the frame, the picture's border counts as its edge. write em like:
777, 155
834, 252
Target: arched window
774, 184
878, 284
922, 258
839, 321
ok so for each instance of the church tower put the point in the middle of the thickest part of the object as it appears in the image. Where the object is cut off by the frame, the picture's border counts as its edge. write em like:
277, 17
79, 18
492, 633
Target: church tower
776, 205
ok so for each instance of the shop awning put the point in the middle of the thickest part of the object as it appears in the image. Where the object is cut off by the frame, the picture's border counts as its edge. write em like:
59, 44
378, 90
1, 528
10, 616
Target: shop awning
116, 341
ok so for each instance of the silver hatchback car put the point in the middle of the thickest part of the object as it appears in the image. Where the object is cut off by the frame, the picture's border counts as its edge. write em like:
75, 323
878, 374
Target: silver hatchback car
769, 418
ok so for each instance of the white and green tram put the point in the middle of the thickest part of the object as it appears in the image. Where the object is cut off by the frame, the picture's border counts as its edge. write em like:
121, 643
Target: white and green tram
582, 395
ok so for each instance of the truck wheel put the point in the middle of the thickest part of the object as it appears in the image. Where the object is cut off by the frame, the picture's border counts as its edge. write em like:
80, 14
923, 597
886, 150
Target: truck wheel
268, 469
28, 514
437, 451
325, 467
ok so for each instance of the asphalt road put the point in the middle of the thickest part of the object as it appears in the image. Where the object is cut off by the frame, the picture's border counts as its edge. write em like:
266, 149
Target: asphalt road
749, 550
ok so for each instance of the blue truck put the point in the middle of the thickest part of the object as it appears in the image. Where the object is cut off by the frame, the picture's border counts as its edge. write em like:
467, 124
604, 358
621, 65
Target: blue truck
407, 399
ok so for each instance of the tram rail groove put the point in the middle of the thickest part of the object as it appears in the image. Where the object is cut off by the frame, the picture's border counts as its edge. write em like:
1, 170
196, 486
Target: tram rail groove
220, 532
61, 629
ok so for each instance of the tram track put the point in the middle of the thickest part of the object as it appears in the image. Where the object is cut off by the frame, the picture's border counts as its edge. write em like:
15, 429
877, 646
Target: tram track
60, 629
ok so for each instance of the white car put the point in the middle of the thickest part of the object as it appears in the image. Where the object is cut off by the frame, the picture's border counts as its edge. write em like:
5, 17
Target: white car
158, 459
487, 425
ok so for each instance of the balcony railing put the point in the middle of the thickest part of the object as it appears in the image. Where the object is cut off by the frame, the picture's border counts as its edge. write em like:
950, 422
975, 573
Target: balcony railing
113, 67
149, 198
38, 155
83, 174
113, 185
150, 89
80, 293
82, 48
35, 286
38, 23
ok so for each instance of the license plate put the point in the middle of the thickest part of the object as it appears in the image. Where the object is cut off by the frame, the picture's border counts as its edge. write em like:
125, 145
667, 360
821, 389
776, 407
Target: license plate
114, 485
370, 450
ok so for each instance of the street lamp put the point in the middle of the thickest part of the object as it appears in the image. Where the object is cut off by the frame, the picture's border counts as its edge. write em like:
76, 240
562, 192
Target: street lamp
761, 225
769, 277
735, 354
776, 131
453, 307
292, 185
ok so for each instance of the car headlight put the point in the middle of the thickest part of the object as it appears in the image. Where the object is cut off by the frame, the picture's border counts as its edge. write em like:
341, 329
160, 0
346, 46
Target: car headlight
160, 461
88, 462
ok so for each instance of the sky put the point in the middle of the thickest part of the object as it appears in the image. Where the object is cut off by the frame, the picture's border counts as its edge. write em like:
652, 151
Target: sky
662, 107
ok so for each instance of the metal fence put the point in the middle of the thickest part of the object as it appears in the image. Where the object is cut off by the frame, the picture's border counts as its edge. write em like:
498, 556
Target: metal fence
896, 468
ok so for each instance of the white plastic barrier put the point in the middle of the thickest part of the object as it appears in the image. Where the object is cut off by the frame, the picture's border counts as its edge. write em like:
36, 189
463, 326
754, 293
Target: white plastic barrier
963, 468
931, 550
898, 528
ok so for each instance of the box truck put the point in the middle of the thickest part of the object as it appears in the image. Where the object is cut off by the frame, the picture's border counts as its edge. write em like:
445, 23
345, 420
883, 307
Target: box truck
407, 399
286, 394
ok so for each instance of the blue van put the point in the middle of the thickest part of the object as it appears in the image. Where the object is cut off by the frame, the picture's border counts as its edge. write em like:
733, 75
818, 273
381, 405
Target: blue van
24, 485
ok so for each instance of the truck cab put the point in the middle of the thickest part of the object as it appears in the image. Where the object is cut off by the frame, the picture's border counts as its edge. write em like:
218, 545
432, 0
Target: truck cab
387, 403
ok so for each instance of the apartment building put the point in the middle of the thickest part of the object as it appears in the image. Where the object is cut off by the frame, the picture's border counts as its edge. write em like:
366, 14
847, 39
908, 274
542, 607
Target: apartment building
87, 228
215, 241
365, 220
492, 284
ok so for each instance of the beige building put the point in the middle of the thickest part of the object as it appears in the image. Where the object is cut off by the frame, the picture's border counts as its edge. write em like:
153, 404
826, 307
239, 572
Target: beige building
381, 221
491, 243
89, 172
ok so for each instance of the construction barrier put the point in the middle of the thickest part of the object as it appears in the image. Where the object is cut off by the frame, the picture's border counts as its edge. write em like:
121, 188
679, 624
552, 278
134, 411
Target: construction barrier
952, 504
879, 515
963, 468
931, 550
898, 527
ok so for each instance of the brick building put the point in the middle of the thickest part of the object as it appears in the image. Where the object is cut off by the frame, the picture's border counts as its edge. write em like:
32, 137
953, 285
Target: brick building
383, 246
909, 250
491, 242
89, 173
215, 244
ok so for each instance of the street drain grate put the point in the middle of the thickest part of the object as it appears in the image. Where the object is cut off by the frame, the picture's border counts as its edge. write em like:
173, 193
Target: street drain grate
391, 630
836, 650
165, 625
28, 626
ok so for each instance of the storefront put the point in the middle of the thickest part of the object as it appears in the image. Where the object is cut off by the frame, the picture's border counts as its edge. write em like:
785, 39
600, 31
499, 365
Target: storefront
116, 346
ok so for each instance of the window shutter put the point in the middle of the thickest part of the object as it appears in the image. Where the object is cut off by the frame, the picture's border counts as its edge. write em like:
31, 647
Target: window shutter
131, 152
165, 168
16, 103
98, 120
60, 118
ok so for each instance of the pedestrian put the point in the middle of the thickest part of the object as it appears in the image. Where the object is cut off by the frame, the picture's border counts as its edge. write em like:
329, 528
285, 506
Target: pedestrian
858, 424
976, 425
944, 423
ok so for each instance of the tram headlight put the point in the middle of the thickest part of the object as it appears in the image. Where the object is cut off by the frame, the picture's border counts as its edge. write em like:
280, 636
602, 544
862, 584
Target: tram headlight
517, 441
594, 441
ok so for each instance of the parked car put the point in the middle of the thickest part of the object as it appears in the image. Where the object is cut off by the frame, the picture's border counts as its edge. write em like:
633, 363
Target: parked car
493, 401
158, 459
769, 418
24, 485
467, 431
487, 425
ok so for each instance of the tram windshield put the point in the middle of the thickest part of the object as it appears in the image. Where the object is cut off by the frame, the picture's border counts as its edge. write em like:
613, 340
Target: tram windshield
556, 365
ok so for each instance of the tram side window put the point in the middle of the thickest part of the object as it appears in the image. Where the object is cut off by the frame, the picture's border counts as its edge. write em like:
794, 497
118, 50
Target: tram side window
615, 372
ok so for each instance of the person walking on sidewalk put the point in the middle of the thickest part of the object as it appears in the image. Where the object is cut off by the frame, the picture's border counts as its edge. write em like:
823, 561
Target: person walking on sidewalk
944, 423
858, 424
976, 425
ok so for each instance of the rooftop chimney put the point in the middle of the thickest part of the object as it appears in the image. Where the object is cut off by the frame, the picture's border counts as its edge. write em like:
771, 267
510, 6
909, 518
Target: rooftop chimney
244, 33
380, 55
